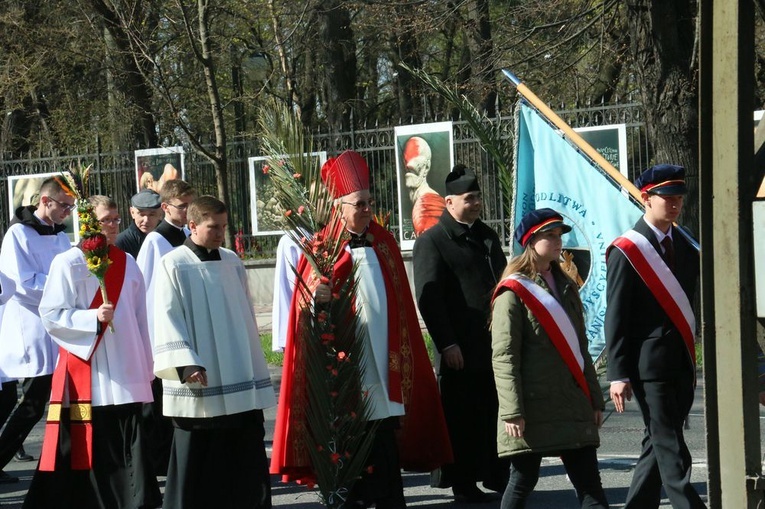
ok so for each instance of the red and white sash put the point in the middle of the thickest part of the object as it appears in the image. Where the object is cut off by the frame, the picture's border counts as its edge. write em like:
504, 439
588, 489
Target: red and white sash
663, 284
553, 319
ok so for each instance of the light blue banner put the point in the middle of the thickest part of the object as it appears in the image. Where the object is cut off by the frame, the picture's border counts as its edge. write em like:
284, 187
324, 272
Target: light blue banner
550, 172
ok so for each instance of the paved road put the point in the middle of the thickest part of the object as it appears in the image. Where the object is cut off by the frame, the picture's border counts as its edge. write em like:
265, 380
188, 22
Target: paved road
621, 435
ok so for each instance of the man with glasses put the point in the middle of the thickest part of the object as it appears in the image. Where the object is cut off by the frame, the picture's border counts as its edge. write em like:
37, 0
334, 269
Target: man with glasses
398, 375
457, 264
176, 195
35, 237
97, 456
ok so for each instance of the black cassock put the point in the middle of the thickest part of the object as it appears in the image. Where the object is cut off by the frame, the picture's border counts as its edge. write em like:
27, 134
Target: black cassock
455, 271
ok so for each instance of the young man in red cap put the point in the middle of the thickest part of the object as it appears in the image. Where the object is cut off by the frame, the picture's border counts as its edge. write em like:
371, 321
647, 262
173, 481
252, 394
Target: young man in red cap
412, 433
650, 330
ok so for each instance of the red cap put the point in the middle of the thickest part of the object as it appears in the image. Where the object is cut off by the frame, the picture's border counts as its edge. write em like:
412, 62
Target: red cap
345, 174
415, 150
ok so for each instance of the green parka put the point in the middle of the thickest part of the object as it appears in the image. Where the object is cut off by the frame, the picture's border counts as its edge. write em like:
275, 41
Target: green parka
534, 382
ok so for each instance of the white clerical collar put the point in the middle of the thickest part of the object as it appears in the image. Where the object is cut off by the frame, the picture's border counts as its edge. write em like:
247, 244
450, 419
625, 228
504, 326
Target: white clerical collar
658, 233
469, 225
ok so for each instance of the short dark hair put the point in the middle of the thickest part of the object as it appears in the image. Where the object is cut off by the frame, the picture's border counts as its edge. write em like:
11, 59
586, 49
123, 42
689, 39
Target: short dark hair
50, 186
204, 207
175, 189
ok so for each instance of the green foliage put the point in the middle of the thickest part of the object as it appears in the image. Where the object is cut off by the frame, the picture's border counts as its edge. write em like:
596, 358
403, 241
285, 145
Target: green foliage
329, 343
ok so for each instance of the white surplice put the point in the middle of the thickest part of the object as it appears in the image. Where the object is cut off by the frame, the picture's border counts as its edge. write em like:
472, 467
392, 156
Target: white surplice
372, 305
7, 289
204, 318
287, 256
154, 247
121, 365
25, 257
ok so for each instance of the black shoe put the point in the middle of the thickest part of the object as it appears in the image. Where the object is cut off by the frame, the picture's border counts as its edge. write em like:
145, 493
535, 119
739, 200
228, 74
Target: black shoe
21, 455
7, 478
499, 487
471, 495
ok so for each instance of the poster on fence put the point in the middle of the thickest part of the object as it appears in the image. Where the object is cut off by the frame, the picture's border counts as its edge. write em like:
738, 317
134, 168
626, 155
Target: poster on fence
155, 166
610, 141
265, 211
424, 157
24, 190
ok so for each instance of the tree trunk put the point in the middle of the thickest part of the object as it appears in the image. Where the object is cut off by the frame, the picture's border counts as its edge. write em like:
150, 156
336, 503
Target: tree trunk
338, 59
662, 47
483, 71
220, 159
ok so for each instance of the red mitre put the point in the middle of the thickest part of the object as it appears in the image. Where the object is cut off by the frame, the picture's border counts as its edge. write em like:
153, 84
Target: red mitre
345, 174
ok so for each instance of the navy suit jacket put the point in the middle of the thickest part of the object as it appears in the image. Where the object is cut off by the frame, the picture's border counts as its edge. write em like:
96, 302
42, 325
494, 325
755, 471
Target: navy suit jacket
641, 341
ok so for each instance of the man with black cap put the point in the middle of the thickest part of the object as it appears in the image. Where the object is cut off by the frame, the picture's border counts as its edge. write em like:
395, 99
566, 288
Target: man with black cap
146, 213
650, 330
457, 264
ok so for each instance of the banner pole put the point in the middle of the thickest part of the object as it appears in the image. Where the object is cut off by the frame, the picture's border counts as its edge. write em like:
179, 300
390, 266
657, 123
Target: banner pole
582, 145
573, 135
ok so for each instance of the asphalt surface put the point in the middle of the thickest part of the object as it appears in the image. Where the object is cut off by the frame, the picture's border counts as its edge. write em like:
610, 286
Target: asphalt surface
620, 446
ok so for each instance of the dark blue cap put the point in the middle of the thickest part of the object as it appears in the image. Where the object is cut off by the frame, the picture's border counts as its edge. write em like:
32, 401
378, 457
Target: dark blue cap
461, 180
146, 199
539, 220
663, 179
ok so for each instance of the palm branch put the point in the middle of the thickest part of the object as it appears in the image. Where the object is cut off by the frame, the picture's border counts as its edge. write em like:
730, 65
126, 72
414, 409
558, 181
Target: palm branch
497, 143
338, 429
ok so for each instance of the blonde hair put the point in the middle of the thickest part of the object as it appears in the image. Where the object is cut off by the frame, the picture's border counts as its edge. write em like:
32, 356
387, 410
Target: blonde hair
100, 199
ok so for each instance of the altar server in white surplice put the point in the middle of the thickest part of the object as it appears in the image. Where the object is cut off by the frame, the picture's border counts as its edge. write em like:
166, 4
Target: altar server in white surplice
215, 378
287, 256
94, 454
169, 234
35, 237
176, 195
8, 391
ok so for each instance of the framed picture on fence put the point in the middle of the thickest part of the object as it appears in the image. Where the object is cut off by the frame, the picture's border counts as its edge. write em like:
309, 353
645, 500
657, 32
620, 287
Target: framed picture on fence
265, 211
424, 157
24, 190
155, 166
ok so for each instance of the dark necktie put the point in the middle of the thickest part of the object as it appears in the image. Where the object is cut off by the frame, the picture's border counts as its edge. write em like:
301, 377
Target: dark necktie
669, 252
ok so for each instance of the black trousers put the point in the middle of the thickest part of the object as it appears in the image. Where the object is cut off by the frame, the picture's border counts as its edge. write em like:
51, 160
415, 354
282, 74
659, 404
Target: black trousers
121, 477
381, 484
159, 430
581, 466
665, 458
221, 467
28, 412
471, 410
8, 399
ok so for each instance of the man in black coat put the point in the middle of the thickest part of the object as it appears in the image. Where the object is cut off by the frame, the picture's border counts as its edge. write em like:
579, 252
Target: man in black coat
457, 264
146, 213
650, 337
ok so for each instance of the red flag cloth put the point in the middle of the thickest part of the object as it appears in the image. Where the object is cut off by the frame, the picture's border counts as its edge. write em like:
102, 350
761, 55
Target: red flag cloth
75, 372
423, 440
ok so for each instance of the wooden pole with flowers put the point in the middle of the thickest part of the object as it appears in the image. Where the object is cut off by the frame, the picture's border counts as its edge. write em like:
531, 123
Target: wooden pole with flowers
330, 341
93, 243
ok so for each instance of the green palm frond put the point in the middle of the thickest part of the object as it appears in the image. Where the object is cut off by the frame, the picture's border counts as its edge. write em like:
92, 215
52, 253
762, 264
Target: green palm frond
337, 414
497, 142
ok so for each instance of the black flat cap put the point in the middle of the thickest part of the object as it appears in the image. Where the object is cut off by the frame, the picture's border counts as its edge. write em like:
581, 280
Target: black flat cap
146, 199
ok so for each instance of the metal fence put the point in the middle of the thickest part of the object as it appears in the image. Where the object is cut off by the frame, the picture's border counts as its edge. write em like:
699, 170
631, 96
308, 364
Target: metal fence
114, 173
